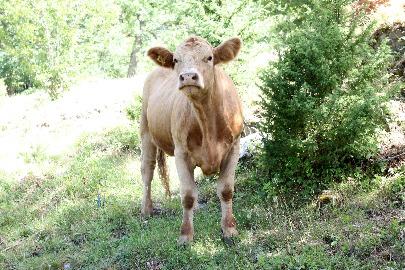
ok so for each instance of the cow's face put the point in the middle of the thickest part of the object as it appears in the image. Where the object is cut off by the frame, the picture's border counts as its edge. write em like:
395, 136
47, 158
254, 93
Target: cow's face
194, 61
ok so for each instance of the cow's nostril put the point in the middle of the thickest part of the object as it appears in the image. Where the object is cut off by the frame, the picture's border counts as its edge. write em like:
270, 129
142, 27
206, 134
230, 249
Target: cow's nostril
194, 77
181, 78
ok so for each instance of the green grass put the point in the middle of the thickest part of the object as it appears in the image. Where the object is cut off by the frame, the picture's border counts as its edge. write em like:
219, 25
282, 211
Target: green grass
84, 214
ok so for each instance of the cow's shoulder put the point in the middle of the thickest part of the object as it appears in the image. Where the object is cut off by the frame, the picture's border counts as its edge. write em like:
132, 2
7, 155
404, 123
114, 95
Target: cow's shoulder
156, 77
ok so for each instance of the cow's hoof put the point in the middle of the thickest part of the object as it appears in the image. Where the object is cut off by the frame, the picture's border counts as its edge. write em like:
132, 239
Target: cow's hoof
229, 232
229, 241
185, 240
228, 235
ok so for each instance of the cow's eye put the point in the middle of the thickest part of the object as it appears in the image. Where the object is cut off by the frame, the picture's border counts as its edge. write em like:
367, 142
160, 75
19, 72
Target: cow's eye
175, 60
209, 58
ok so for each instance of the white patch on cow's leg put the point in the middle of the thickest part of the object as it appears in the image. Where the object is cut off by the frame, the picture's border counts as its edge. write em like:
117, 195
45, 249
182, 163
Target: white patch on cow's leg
225, 190
148, 157
188, 192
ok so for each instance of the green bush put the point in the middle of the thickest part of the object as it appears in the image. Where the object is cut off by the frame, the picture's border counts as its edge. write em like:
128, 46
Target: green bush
134, 110
323, 101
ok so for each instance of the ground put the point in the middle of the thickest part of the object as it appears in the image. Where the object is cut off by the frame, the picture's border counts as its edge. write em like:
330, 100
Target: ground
70, 192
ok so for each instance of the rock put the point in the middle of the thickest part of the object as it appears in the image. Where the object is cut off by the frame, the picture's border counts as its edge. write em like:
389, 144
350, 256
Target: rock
248, 144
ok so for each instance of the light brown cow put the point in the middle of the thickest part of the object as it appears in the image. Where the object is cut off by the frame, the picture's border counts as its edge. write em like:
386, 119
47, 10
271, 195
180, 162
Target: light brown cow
191, 110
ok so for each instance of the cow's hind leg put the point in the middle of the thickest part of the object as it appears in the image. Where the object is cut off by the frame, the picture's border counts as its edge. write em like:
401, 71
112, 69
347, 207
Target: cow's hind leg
225, 190
188, 191
148, 157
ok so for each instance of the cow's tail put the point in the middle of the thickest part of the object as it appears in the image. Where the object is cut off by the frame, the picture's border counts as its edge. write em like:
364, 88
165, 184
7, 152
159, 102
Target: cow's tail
163, 171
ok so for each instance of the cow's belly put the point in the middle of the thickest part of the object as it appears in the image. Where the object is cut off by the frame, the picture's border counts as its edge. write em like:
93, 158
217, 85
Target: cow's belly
161, 139
160, 127
166, 145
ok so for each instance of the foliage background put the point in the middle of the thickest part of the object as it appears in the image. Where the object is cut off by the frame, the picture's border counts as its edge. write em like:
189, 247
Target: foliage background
50, 44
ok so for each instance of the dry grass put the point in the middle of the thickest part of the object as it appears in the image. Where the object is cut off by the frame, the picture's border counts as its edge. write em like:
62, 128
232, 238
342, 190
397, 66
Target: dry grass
32, 126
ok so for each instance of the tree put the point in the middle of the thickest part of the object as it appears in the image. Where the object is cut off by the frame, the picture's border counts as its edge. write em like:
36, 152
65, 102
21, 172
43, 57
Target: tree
143, 21
46, 43
323, 101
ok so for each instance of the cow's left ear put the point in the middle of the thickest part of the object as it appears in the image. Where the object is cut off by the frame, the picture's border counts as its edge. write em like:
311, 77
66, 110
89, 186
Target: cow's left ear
227, 50
161, 56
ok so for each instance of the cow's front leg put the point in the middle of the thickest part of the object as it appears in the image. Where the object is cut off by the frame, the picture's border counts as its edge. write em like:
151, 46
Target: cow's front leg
188, 192
225, 190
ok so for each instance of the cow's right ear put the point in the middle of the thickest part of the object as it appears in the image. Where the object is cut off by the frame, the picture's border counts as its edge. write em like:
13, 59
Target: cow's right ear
227, 50
161, 56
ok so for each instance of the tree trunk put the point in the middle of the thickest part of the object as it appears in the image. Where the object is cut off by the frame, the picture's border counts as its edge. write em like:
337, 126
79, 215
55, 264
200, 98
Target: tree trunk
133, 62
136, 47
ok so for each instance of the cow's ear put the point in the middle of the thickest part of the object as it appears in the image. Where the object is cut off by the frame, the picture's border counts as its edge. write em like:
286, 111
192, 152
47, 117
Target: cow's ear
161, 56
227, 50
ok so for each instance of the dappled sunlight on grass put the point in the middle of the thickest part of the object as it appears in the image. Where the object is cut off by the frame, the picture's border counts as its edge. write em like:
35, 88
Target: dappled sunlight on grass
59, 226
205, 248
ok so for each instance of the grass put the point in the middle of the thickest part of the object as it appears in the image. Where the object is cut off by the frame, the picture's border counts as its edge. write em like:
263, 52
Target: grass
83, 213
66, 205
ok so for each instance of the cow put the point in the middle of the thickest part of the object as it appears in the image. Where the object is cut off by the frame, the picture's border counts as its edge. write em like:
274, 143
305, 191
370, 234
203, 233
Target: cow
191, 110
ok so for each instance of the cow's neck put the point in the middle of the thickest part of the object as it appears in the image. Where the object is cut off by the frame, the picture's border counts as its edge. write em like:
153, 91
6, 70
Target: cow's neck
210, 114
211, 118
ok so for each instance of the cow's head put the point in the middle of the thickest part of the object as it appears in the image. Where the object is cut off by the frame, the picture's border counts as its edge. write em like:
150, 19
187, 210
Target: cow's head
194, 62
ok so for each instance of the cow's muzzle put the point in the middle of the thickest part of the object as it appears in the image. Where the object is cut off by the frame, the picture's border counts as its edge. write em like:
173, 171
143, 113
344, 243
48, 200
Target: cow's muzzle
190, 79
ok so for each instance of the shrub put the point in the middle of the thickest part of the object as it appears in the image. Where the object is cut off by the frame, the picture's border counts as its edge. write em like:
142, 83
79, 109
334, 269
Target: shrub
134, 110
323, 101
